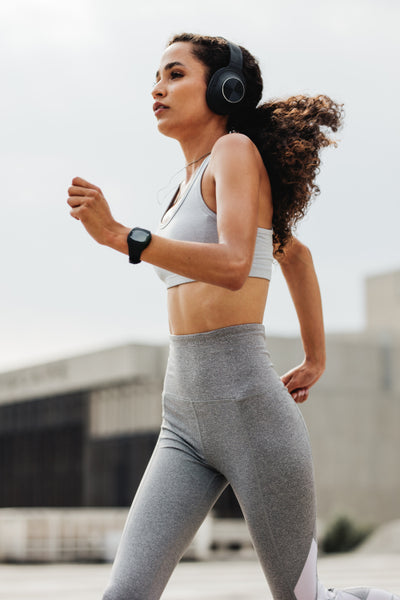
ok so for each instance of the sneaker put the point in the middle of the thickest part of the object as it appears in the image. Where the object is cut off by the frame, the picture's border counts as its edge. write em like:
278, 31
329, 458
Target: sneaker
362, 593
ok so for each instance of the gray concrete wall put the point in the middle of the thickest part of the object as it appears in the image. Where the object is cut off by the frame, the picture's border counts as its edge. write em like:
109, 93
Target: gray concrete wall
64, 535
353, 413
353, 416
124, 409
383, 302
131, 362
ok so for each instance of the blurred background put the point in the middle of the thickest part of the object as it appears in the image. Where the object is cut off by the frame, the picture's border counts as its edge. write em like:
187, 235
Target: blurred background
83, 334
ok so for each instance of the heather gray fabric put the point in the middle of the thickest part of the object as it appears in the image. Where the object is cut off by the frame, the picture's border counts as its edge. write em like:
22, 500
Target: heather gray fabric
226, 418
192, 220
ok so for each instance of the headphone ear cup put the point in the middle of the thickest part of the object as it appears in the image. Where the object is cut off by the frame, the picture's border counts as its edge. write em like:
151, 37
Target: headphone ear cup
225, 91
227, 87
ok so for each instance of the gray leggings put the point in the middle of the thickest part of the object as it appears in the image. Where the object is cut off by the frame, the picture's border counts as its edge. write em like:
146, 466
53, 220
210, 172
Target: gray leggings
227, 418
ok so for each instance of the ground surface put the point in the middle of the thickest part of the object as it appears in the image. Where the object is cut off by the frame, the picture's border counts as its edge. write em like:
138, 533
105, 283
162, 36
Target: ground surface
231, 579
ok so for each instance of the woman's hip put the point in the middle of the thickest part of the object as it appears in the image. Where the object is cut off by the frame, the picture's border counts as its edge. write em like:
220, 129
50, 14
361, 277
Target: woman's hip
228, 363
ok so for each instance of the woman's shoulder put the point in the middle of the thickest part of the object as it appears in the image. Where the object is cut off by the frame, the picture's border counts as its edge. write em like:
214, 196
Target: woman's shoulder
237, 151
234, 142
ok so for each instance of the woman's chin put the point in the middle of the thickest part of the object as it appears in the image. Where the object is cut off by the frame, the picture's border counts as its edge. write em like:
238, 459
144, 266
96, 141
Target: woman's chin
166, 129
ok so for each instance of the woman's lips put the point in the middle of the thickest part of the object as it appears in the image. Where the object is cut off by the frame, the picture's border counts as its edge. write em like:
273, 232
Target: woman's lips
158, 108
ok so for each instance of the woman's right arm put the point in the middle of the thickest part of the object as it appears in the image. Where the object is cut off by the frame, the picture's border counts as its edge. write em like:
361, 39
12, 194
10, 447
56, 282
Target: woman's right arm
227, 263
299, 272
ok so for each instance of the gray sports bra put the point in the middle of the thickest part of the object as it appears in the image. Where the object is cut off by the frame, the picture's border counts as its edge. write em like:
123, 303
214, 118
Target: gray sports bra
191, 220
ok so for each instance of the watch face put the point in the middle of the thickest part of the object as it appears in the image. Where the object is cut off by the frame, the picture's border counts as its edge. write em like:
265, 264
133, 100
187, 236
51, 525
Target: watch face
139, 235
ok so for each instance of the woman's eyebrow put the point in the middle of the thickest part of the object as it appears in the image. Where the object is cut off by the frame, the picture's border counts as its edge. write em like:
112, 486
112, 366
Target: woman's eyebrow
170, 66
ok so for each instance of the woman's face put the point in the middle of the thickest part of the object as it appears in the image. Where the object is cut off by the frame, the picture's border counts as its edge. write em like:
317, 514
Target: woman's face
179, 93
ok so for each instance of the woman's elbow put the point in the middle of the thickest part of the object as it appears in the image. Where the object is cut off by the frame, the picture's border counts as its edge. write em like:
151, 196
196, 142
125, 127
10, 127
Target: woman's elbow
294, 252
304, 251
237, 274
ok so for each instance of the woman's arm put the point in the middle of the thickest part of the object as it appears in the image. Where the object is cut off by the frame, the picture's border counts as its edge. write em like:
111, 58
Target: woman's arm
298, 269
234, 169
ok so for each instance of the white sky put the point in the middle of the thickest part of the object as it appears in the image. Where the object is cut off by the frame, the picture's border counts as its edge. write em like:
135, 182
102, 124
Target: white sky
75, 99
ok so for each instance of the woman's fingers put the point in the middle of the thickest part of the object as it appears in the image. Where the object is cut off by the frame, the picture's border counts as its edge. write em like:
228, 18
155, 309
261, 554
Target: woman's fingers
80, 182
79, 195
300, 395
74, 201
79, 190
298, 382
89, 206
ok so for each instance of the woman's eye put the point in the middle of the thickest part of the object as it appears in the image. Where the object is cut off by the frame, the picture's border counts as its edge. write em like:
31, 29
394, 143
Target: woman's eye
175, 74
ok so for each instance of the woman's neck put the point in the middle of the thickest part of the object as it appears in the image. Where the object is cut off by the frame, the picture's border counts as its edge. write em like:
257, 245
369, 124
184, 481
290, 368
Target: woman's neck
197, 147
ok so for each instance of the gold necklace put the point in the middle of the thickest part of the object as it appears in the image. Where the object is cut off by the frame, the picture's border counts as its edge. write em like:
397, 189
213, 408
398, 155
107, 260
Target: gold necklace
178, 193
197, 160
182, 189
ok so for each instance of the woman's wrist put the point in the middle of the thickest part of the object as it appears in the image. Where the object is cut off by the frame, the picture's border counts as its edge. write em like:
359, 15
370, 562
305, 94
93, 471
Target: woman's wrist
316, 361
117, 238
314, 345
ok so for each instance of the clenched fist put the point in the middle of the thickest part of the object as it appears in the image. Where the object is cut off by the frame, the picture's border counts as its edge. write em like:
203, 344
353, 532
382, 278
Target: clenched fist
89, 206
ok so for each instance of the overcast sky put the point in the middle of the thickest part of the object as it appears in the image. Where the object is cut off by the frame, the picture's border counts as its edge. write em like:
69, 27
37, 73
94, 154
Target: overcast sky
76, 77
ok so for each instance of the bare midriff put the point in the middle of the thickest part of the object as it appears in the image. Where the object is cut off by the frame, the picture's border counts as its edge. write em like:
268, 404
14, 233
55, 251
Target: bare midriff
198, 307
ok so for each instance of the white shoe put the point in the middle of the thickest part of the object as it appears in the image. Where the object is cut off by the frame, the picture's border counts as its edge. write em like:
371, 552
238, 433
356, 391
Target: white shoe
362, 593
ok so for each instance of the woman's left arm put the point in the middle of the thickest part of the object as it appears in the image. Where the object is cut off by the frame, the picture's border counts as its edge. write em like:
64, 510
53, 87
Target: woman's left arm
298, 269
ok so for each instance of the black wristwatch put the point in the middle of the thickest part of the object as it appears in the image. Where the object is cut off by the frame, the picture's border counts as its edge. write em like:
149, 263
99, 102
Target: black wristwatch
138, 239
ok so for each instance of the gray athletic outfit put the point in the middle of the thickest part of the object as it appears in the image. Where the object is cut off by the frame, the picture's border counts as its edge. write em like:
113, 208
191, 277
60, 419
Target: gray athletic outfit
227, 418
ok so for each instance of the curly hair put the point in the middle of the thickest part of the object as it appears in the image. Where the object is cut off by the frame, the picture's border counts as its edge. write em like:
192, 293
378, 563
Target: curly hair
287, 132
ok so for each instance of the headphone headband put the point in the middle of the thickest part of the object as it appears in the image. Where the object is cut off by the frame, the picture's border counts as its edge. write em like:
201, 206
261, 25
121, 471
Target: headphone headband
235, 58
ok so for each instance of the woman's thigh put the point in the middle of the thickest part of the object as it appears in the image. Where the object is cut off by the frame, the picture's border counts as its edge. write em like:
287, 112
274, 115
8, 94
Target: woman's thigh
260, 444
175, 495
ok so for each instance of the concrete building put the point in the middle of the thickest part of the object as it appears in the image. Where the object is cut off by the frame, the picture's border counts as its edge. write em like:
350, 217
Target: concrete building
79, 432
383, 303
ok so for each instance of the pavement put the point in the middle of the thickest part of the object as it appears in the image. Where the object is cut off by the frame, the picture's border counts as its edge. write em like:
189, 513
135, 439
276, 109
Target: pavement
229, 578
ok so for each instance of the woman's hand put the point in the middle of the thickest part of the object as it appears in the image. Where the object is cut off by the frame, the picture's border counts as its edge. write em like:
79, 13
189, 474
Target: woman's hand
91, 208
299, 380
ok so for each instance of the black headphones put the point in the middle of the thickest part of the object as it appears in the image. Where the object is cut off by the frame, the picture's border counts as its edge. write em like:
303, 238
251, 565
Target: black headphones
227, 87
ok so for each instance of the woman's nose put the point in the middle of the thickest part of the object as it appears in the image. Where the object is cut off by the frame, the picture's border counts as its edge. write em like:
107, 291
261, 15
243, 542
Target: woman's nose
158, 90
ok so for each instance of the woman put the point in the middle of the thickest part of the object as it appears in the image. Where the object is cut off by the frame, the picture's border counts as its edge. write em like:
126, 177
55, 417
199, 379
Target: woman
227, 417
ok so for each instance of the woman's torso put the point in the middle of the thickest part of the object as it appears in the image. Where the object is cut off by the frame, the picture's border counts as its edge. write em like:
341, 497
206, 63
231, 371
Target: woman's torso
197, 306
